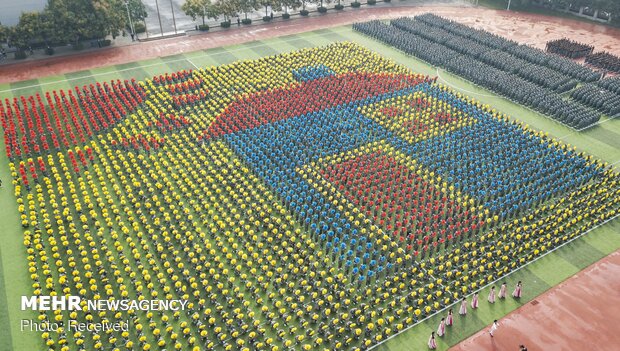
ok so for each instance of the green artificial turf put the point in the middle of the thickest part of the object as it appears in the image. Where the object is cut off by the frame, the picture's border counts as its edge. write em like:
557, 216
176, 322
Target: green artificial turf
537, 277
14, 278
603, 141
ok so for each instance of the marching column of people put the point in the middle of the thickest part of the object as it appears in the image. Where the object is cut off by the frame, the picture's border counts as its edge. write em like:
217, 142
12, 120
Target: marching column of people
604, 60
448, 321
569, 48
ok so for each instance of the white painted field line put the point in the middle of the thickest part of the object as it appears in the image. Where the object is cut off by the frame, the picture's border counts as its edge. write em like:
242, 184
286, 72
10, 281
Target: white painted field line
497, 280
582, 129
190, 61
337, 31
461, 89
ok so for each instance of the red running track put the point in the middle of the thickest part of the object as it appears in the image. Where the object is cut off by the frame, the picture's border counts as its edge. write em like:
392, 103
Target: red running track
582, 313
522, 27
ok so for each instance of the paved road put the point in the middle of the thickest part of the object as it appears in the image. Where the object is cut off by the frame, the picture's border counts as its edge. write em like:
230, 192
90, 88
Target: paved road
510, 24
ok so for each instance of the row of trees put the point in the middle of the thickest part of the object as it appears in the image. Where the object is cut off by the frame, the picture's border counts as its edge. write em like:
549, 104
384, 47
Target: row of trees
203, 9
603, 5
608, 6
71, 21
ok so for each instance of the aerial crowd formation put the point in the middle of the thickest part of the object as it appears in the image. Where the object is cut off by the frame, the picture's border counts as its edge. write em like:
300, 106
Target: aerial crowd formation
605, 61
574, 50
523, 74
322, 198
569, 48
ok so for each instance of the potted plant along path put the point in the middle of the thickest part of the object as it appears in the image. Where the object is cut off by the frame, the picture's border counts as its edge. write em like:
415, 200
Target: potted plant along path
203, 9
266, 4
323, 9
371, 2
303, 11
139, 27
246, 7
62, 23
225, 8
339, 6
356, 4
286, 4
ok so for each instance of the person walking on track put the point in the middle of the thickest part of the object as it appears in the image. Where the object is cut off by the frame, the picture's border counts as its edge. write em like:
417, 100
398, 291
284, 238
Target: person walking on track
494, 327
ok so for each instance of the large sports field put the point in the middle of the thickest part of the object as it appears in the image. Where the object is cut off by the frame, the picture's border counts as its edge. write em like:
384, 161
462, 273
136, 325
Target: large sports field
601, 141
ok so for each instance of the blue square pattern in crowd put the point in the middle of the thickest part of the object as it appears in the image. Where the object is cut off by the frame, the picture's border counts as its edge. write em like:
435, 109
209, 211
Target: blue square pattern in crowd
276, 150
508, 171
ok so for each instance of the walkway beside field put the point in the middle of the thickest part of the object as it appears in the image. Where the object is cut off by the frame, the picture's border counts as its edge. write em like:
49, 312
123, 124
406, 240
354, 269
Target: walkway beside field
522, 27
579, 314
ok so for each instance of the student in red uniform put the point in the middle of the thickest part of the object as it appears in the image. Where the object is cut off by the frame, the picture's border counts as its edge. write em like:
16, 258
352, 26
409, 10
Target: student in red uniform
492, 295
474, 301
517, 292
450, 318
502, 291
463, 309
441, 330
432, 344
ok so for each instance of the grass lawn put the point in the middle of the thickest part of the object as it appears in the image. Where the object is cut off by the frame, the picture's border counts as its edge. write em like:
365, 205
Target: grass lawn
603, 141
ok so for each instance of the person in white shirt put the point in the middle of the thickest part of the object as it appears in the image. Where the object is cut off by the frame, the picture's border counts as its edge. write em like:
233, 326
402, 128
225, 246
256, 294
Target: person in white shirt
494, 327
